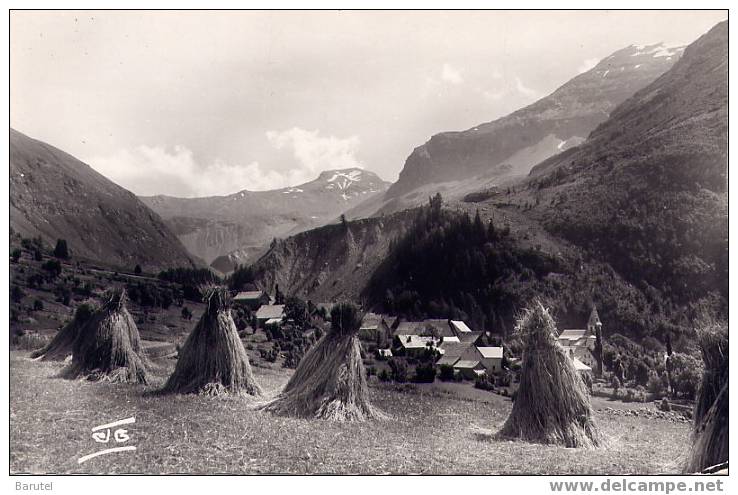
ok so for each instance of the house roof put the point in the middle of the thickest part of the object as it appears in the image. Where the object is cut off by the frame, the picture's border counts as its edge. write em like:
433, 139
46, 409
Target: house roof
272, 321
406, 328
580, 366
466, 364
371, 321
573, 338
414, 341
248, 295
453, 339
453, 349
448, 360
385, 352
572, 334
490, 352
459, 326
469, 337
441, 327
268, 311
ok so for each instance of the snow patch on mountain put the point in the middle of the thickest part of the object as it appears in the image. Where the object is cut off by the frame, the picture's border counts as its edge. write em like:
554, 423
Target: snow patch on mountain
657, 50
343, 180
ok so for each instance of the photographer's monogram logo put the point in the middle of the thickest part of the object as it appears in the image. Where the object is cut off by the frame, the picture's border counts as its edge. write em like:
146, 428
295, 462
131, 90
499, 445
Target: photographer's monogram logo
111, 433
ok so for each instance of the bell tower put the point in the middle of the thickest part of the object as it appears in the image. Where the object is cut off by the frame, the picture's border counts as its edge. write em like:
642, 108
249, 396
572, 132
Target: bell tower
594, 324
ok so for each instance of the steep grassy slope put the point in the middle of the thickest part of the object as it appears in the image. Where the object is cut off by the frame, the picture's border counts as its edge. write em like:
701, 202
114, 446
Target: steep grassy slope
647, 192
54, 195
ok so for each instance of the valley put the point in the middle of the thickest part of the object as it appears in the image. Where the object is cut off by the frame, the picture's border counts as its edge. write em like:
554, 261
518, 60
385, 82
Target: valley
551, 286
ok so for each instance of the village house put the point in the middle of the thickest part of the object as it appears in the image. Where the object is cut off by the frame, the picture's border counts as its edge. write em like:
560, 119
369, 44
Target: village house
274, 312
451, 351
469, 369
405, 328
471, 338
580, 343
251, 299
459, 327
491, 358
374, 327
413, 345
437, 328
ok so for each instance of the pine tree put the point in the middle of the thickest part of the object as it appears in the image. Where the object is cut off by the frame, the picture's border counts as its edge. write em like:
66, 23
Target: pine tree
61, 250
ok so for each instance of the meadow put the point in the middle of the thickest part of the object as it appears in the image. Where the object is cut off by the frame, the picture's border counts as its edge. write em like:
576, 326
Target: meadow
437, 428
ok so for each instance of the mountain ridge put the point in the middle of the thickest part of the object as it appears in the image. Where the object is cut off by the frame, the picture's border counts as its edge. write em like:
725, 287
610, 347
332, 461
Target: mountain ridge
229, 230
504, 150
56, 196
634, 218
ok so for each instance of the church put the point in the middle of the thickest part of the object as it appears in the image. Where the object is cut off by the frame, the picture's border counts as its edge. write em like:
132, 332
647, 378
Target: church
581, 342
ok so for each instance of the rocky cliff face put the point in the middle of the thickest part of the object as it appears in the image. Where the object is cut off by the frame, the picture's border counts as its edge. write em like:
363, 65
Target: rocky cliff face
56, 196
333, 262
226, 230
512, 145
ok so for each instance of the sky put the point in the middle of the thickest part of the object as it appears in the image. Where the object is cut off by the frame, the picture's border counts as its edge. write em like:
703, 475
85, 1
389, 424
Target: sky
206, 103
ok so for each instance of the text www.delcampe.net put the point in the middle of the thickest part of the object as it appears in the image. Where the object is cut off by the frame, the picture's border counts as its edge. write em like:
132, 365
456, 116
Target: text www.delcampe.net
624, 485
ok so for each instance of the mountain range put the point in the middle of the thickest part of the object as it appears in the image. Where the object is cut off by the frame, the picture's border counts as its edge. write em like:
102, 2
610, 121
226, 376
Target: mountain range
497, 152
616, 182
229, 230
634, 217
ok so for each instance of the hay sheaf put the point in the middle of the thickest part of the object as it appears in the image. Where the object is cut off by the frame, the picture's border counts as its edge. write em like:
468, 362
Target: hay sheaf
330, 381
552, 404
212, 360
710, 435
62, 345
108, 346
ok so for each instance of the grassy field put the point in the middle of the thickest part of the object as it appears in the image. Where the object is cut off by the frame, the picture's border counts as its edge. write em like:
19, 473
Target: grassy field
435, 429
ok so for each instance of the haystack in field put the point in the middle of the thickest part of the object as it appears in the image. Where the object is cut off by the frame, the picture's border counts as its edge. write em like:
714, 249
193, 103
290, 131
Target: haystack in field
212, 359
330, 381
62, 344
710, 436
108, 346
552, 404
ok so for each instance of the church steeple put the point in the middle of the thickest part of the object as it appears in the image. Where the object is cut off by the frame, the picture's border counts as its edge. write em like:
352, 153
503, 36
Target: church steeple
594, 321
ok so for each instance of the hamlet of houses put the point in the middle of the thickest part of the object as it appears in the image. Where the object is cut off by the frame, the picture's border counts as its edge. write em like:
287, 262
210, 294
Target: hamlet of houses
455, 344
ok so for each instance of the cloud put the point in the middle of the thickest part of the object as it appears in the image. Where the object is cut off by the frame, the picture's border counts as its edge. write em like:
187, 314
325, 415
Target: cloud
451, 75
314, 153
524, 90
587, 64
150, 170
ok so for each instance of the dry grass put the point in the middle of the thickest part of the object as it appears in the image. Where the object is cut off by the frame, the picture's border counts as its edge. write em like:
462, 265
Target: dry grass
108, 347
430, 431
62, 344
213, 360
330, 381
552, 405
711, 411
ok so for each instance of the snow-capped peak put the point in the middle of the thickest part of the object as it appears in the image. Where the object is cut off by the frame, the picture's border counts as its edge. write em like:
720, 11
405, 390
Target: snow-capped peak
342, 179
